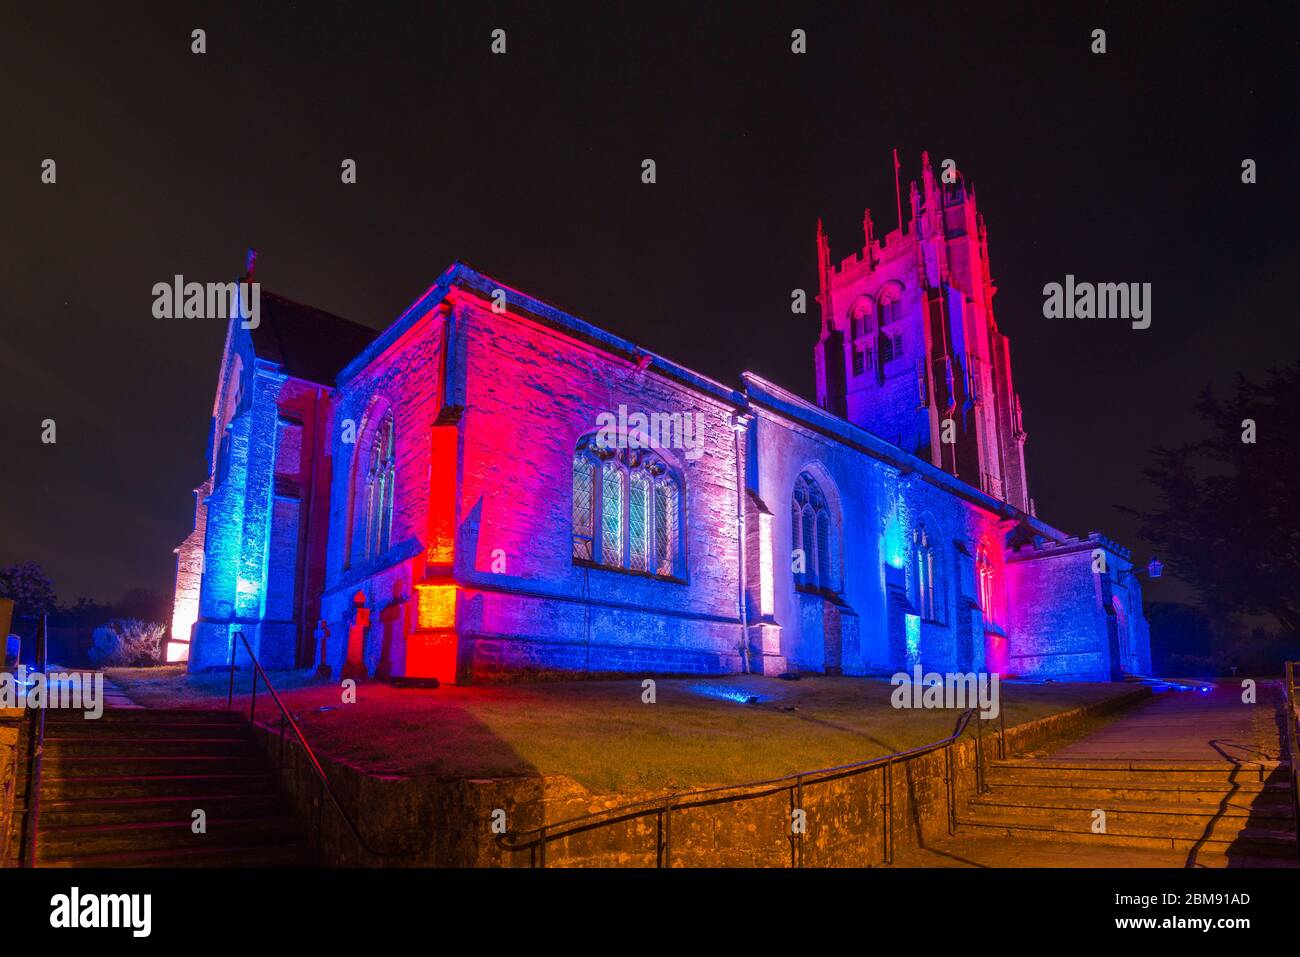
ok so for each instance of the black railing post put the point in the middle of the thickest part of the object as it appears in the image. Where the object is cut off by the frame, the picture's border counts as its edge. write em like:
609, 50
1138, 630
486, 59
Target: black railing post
1002, 727
659, 838
668, 834
38, 753
803, 820
541, 848
889, 811
234, 647
948, 789
790, 830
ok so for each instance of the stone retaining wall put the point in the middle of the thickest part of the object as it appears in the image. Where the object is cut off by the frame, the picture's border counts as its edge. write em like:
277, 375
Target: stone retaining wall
448, 823
10, 726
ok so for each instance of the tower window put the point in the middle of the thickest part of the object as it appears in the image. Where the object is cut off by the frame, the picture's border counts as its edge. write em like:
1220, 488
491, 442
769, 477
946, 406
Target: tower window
859, 362
859, 317
891, 347
889, 306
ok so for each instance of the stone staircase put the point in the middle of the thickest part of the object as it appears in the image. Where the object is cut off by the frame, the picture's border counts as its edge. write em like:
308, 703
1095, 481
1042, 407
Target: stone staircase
1216, 812
120, 791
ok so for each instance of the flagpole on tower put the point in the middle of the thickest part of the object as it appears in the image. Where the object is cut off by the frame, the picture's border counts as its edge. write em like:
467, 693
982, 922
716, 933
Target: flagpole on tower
898, 194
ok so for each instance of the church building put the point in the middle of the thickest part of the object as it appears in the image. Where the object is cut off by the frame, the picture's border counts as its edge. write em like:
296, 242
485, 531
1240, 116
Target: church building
494, 488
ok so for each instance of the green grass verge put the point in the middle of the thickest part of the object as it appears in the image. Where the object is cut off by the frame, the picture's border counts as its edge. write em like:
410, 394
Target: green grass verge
600, 732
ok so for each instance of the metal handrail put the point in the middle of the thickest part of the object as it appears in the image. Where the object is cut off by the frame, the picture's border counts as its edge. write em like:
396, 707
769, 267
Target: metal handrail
32, 818
1293, 753
702, 797
286, 717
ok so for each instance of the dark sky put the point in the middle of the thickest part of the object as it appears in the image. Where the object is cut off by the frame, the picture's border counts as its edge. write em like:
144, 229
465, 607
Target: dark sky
1116, 168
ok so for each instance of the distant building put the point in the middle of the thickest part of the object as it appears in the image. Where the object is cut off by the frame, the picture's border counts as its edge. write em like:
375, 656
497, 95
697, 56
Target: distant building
493, 487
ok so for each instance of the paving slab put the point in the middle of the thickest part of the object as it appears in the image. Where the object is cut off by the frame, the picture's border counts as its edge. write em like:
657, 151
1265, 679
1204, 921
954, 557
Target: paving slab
964, 850
1206, 726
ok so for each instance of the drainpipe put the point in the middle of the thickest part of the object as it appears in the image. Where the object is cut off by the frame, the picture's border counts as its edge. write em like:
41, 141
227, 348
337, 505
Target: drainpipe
739, 426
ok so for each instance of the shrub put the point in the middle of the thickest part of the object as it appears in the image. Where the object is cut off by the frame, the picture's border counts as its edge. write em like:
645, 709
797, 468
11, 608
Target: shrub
127, 642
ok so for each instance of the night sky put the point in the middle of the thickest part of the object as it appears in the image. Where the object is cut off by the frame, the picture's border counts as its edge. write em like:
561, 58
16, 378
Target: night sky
1124, 167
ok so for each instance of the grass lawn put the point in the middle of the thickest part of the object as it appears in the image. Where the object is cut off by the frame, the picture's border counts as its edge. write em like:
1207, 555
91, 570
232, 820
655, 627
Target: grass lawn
699, 732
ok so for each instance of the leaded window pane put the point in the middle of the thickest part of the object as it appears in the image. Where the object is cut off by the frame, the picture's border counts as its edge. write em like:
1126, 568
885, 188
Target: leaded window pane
809, 537
611, 515
665, 526
638, 521
583, 504
824, 578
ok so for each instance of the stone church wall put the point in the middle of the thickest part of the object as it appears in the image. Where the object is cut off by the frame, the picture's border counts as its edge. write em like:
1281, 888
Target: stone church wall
525, 604
478, 576
1063, 619
878, 509
405, 380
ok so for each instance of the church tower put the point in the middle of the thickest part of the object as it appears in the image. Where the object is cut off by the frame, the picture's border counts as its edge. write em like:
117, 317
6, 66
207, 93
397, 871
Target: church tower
909, 348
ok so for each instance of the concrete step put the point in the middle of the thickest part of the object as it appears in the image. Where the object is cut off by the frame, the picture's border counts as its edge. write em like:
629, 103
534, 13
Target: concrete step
146, 715
67, 842
124, 731
120, 791
291, 854
1039, 769
152, 785
1137, 817
1154, 788
111, 746
1224, 839
142, 810
56, 766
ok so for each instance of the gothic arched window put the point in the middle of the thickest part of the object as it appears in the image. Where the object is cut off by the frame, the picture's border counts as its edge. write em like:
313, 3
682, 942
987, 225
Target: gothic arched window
626, 507
372, 490
860, 318
813, 536
889, 305
929, 598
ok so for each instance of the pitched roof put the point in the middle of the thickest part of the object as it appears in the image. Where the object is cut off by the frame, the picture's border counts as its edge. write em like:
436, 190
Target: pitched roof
307, 343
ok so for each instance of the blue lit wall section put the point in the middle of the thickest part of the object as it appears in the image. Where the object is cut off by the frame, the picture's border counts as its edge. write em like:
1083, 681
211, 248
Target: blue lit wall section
913, 626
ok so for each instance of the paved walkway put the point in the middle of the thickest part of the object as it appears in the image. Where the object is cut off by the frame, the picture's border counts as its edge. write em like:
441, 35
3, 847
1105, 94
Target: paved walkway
114, 696
1191, 726
966, 850
1194, 726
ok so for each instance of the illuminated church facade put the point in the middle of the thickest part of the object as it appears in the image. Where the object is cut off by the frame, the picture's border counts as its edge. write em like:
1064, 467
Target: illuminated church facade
493, 487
